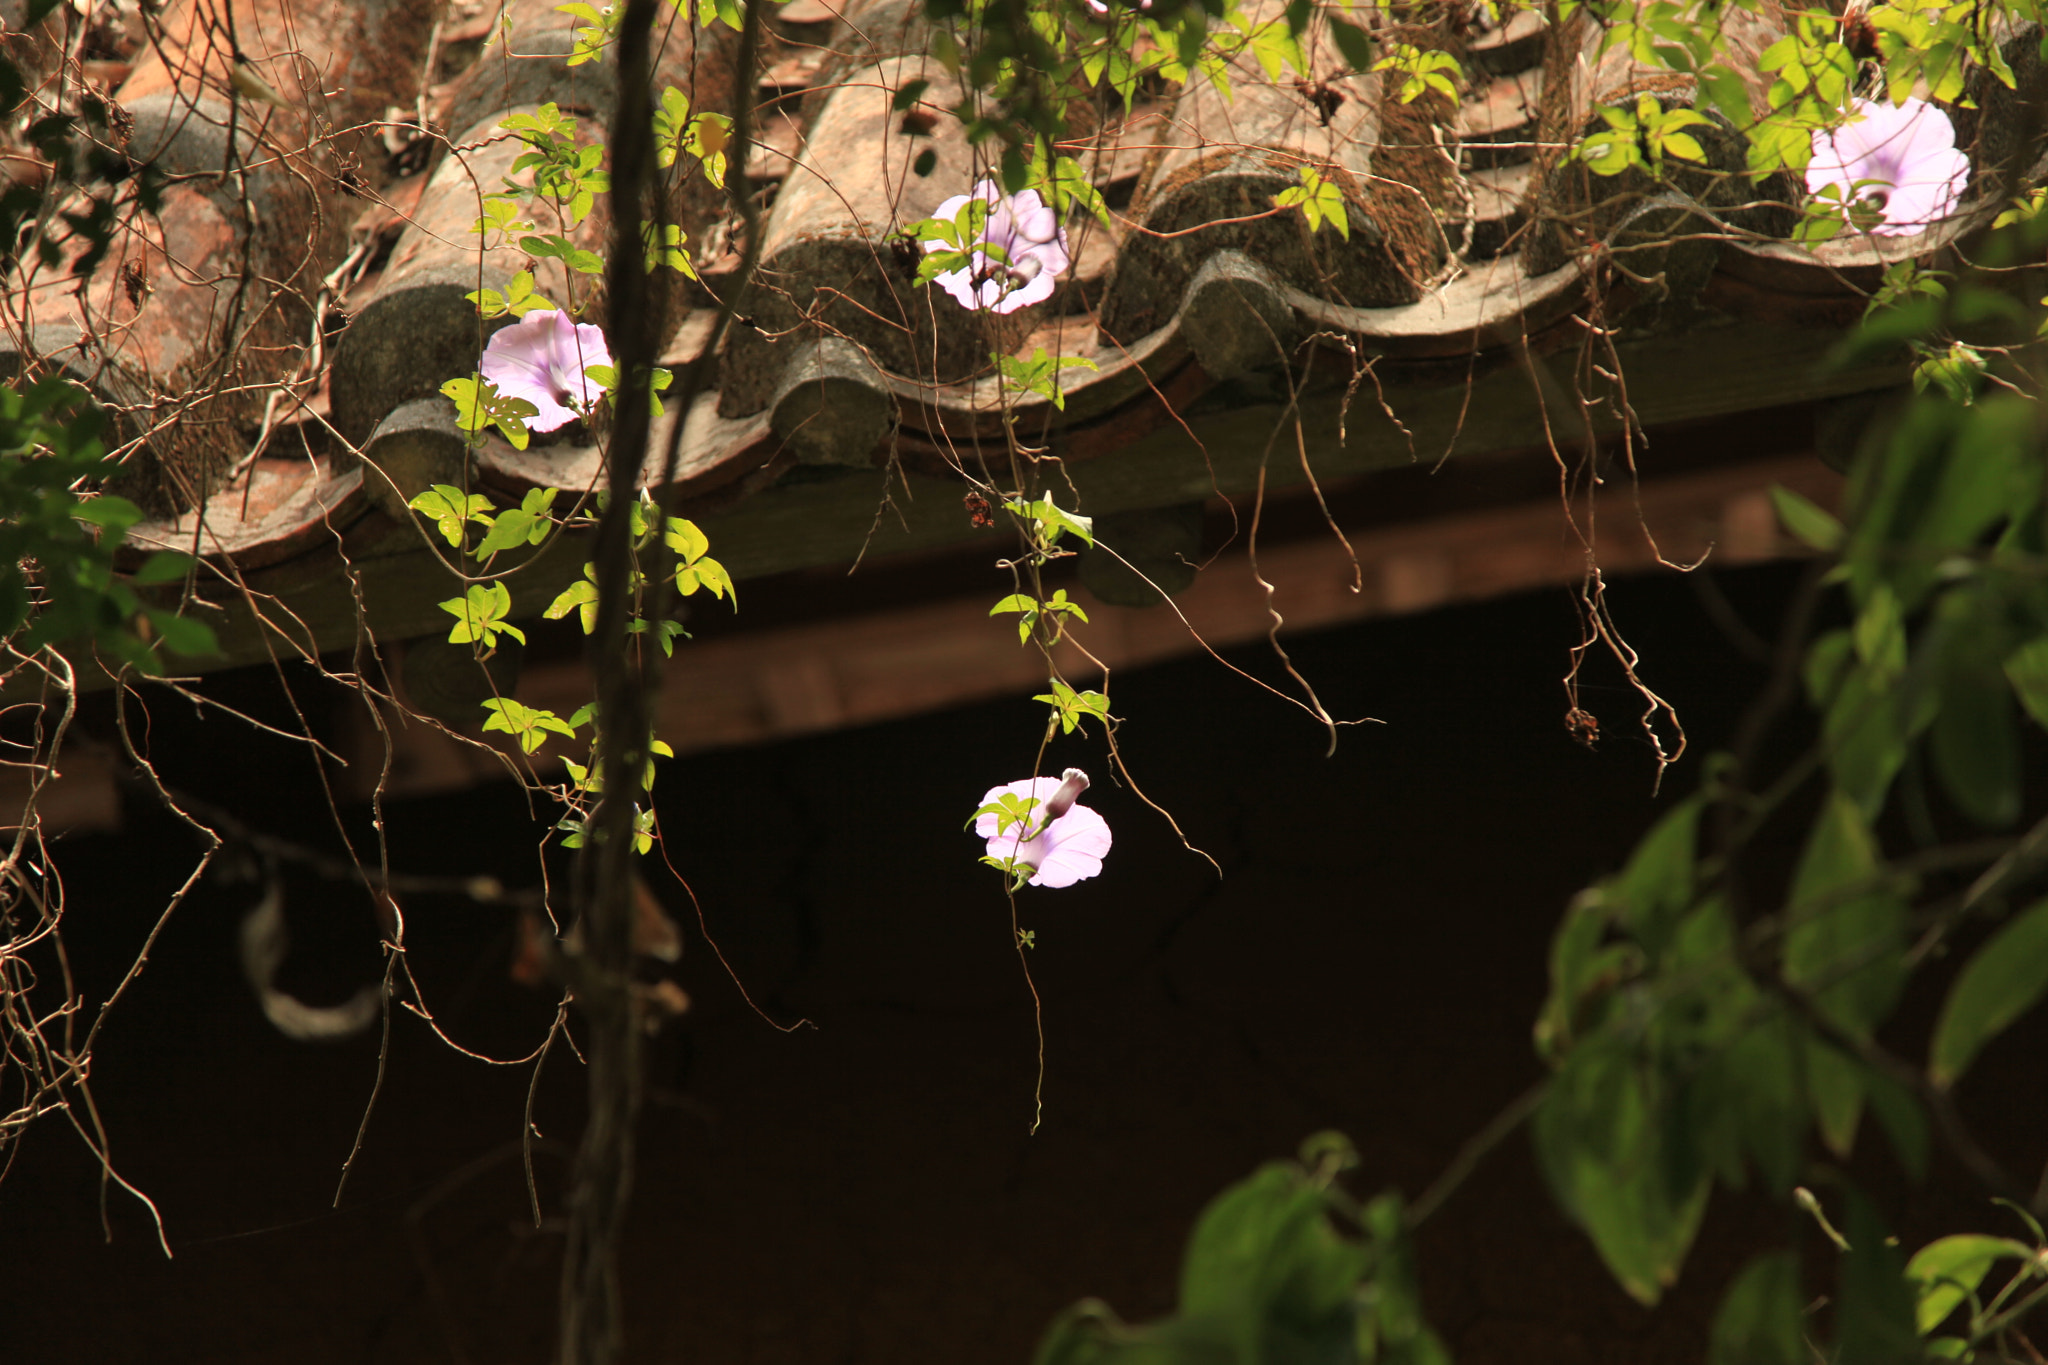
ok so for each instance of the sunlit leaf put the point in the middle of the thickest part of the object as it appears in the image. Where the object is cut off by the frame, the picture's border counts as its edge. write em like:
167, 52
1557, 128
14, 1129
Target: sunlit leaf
1946, 1272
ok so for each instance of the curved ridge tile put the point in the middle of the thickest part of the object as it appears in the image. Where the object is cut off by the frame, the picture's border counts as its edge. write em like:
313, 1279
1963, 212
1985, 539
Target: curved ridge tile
362, 56
1632, 216
201, 306
1497, 304
273, 511
1516, 45
1229, 154
973, 409
718, 456
1236, 317
1828, 283
207, 303
418, 330
828, 266
1497, 123
1991, 132
151, 323
1152, 403
829, 407
522, 64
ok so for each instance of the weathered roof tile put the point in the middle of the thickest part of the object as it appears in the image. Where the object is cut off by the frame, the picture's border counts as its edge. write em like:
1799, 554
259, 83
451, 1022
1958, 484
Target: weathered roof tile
1471, 245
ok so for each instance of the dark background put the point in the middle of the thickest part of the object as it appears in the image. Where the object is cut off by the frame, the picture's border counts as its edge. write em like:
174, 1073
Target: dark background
865, 1190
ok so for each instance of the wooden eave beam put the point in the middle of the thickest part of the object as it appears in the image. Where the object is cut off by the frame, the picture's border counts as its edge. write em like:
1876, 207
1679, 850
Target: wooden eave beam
309, 605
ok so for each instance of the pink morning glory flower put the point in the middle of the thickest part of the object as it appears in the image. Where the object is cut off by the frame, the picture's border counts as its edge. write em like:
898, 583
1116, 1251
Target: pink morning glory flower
1032, 240
1058, 842
543, 359
1909, 147
1101, 8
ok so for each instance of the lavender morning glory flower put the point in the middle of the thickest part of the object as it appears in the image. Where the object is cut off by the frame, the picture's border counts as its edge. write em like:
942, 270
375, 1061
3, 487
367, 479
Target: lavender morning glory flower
1029, 233
1060, 843
1910, 147
542, 358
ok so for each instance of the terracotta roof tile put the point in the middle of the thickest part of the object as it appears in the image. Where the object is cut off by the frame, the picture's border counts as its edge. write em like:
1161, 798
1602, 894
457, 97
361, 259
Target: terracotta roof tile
1470, 245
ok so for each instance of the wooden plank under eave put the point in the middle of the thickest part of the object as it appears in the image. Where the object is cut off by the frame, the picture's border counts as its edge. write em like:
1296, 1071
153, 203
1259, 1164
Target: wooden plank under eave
835, 520
755, 688
1670, 379
81, 795
906, 663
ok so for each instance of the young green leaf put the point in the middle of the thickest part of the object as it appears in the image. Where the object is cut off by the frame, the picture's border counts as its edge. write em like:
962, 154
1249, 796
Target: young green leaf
1946, 1273
113, 515
451, 510
1422, 72
709, 575
480, 616
2027, 670
530, 724
1973, 745
706, 139
579, 597
478, 404
1040, 374
1073, 707
1604, 1137
670, 121
689, 543
1050, 522
1353, 43
513, 527
1320, 201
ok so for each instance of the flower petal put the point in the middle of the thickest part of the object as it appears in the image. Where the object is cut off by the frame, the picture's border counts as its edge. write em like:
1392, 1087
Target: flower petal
1037, 225
1041, 788
1033, 245
945, 212
958, 284
542, 358
511, 370
573, 350
1909, 148
1068, 850
1926, 133
1037, 291
1077, 842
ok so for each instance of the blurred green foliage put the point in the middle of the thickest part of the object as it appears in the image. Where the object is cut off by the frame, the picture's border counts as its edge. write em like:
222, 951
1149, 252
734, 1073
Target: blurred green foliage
58, 539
